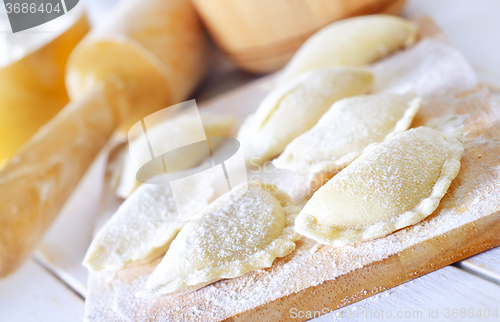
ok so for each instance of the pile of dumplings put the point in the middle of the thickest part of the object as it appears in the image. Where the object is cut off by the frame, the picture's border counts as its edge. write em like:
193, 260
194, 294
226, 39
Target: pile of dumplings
320, 118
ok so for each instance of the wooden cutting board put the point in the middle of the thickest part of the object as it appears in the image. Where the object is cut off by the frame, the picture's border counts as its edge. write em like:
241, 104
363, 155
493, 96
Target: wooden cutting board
317, 278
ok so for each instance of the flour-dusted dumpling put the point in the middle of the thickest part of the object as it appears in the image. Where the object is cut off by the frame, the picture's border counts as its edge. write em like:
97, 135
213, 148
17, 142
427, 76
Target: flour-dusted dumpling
349, 127
145, 224
397, 184
171, 130
295, 107
244, 230
351, 42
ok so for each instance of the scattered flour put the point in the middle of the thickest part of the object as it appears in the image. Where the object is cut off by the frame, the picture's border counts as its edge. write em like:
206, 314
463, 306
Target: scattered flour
439, 74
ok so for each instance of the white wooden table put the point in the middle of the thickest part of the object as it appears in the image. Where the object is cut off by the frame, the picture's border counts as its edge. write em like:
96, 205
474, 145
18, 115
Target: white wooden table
51, 286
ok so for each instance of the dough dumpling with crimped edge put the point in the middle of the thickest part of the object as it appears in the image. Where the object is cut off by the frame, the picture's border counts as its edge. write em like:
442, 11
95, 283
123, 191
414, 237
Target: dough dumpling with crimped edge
351, 42
146, 222
396, 184
349, 127
295, 107
245, 229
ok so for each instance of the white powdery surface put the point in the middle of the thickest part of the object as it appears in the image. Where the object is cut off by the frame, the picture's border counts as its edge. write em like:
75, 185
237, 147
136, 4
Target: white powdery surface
452, 97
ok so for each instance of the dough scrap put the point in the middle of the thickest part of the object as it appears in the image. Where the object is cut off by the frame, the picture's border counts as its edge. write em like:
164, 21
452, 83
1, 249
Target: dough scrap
397, 184
351, 126
215, 125
351, 42
295, 107
145, 224
227, 239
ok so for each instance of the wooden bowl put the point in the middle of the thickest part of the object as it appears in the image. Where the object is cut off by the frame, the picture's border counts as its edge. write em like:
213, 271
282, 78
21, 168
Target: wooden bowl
260, 36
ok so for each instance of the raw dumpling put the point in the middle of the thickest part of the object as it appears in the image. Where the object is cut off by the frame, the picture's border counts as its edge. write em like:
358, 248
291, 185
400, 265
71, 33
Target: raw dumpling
145, 224
394, 185
295, 107
215, 125
227, 239
349, 127
351, 42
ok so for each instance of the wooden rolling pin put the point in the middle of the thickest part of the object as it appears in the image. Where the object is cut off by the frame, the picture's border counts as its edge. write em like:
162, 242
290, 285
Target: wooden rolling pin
32, 89
150, 55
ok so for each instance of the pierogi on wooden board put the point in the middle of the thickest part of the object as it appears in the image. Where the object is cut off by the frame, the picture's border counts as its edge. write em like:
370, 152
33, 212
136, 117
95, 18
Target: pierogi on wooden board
314, 276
